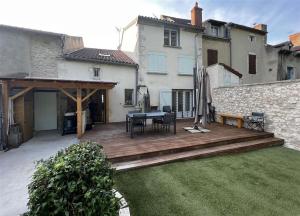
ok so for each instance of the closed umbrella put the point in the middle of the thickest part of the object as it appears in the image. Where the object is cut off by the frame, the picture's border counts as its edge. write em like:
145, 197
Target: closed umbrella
203, 97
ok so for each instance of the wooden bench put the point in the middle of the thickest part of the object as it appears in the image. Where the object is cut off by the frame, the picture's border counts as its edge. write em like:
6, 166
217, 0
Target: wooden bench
239, 119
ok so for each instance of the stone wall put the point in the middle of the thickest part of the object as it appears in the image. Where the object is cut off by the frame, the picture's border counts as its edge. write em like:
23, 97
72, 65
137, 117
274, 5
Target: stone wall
280, 101
45, 53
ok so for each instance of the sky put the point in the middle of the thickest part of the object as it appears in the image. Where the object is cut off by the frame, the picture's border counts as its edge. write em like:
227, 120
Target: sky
97, 21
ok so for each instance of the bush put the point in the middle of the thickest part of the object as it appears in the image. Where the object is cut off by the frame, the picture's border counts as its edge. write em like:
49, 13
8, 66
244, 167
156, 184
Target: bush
76, 181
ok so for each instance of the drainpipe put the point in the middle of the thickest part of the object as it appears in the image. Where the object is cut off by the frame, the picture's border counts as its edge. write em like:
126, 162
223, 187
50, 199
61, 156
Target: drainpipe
230, 44
195, 70
136, 83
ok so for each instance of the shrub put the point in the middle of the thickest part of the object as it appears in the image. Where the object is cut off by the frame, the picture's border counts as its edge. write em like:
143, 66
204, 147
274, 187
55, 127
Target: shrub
76, 181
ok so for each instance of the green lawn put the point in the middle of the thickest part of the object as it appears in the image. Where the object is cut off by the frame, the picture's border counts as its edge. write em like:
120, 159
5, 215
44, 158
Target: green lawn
264, 182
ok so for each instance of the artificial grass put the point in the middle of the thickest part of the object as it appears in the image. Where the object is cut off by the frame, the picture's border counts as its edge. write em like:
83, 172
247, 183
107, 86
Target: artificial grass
263, 182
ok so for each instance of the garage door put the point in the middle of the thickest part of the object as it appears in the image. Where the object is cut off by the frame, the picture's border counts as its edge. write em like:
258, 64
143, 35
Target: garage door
45, 111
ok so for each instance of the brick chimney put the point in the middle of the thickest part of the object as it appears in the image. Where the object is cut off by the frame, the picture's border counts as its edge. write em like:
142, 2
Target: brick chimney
196, 16
262, 27
295, 39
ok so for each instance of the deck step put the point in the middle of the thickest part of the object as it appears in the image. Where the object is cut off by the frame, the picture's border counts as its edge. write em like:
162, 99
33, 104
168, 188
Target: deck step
199, 153
145, 151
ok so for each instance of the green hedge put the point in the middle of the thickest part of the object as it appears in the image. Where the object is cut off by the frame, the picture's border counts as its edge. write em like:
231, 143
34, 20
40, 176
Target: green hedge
76, 181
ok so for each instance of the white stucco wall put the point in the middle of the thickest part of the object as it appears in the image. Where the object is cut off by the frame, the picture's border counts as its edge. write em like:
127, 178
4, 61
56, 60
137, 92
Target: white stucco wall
150, 39
220, 77
123, 75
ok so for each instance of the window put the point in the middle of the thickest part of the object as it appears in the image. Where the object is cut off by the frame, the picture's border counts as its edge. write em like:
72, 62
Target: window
156, 63
187, 101
180, 101
251, 38
252, 63
212, 57
215, 31
96, 72
185, 65
128, 96
171, 37
291, 73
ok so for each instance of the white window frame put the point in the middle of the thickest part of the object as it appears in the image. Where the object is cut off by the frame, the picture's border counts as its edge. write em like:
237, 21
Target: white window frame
294, 69
170, 38
132, 96
249, 38
212, 27
96, 70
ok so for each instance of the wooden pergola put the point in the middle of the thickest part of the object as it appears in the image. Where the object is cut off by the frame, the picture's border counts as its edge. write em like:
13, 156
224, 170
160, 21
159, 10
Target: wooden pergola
27, 84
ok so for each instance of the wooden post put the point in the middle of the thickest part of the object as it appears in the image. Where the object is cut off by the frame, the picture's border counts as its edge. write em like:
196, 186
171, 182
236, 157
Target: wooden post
106, 106
79, 113
5, 97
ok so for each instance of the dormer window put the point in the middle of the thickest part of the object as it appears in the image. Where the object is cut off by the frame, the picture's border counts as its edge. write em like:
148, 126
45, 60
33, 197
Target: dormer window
171, 37
215, 31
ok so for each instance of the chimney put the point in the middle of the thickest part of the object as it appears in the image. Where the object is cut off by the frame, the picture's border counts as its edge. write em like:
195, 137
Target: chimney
196, 16
262, 27
295, 39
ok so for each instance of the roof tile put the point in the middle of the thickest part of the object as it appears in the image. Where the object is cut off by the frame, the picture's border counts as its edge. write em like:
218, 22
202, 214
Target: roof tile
100, 55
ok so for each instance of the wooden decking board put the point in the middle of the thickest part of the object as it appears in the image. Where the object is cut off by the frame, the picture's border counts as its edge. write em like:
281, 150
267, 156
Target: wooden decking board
119, 147
199, 153
179, 145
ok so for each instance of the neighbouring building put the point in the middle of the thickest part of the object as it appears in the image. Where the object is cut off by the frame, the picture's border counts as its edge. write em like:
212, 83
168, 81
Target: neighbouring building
284, 58
166, 50
215, 43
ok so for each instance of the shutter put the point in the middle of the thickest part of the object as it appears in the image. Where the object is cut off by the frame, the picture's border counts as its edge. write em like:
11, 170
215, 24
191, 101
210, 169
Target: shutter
165, 98
212, 57
252, 64
186, 65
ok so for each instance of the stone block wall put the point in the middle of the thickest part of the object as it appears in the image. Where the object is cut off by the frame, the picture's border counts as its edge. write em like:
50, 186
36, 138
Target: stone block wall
45, 53
280, 101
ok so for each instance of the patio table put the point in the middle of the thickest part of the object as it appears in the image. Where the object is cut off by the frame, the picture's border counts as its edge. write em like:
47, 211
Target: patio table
149, 115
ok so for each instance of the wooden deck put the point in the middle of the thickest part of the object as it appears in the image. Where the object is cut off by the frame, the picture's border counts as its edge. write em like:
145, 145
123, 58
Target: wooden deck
153, 148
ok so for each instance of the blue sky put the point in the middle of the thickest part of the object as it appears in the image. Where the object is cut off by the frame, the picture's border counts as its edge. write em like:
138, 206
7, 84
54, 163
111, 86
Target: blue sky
96, 20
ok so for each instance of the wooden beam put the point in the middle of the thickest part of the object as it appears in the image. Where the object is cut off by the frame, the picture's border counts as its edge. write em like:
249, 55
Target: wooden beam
24, 91
89, 95
79, 113
5, 100
68, 94
52, 84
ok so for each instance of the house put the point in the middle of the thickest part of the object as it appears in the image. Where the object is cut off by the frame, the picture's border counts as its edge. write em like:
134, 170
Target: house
89, 64
166, 49
284, 58
45, 75
239, 46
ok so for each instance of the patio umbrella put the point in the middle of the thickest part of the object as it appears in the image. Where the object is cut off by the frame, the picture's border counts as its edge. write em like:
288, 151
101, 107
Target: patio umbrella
203, 97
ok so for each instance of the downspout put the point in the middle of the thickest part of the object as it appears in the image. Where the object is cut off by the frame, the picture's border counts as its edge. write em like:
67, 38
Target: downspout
195, 71
230, 45
136, 83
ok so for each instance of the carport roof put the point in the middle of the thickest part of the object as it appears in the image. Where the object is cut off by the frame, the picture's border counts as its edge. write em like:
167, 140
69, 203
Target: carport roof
57, 83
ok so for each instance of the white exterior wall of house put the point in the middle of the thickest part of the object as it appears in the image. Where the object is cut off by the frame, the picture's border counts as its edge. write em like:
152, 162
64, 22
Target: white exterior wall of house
123, 75
150, 39
220, 77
